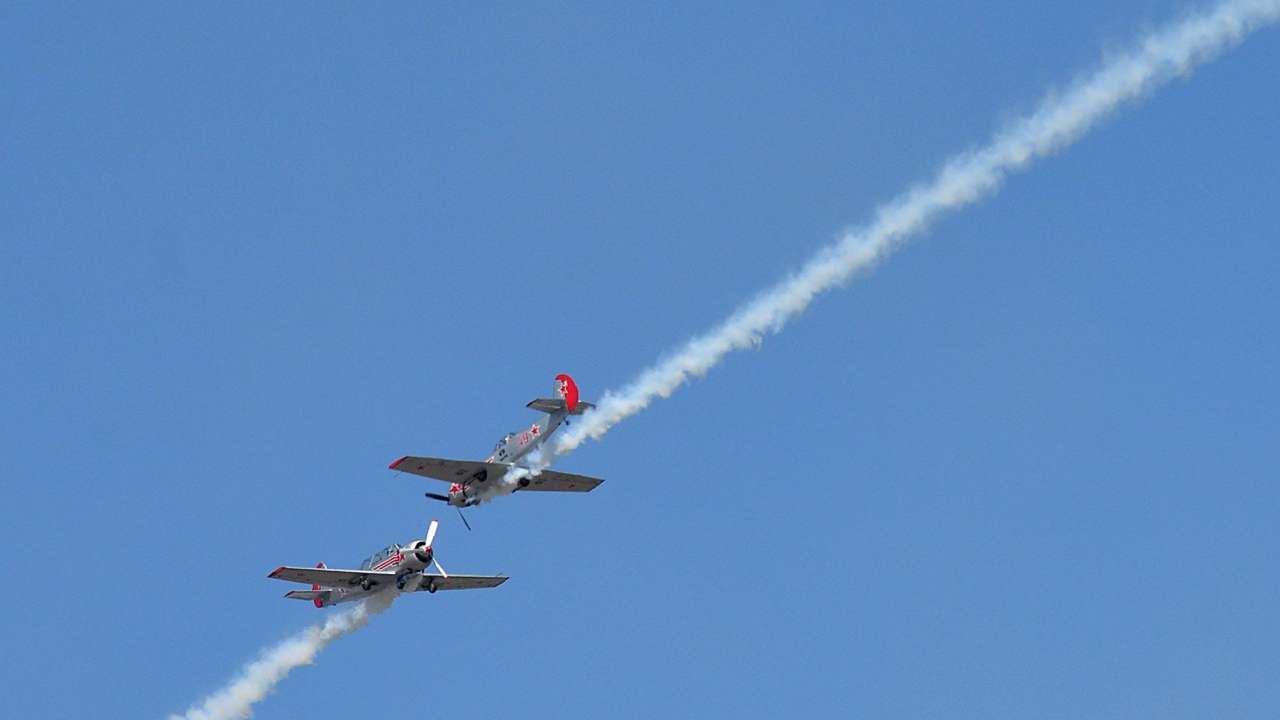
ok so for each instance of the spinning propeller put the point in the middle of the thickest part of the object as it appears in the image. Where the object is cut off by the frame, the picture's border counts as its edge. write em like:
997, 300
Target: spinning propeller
425, 554
445, 499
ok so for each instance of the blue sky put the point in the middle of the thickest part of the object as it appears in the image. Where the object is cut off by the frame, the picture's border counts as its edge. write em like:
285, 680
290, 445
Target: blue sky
252, 254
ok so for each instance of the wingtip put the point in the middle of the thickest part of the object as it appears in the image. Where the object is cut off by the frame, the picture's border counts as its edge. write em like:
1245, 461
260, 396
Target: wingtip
276, 572
396, 462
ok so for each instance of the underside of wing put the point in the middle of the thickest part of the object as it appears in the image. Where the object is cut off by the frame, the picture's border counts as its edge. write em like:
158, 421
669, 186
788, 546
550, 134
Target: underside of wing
460, 582
330, 577
556, 481
469, 471
450, 471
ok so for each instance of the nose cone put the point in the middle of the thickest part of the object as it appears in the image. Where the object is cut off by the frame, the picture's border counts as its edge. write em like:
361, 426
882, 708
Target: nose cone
423, 555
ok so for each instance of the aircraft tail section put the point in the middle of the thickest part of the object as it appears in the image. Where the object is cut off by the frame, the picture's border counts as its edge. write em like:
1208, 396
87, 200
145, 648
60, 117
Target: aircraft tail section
565, 399
318, 597
567, 390
318, 600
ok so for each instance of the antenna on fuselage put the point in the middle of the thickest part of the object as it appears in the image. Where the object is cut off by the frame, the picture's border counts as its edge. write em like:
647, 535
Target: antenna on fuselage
464, 518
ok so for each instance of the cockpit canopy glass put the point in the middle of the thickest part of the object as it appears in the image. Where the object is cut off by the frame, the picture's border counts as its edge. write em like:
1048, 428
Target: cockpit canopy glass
379, 556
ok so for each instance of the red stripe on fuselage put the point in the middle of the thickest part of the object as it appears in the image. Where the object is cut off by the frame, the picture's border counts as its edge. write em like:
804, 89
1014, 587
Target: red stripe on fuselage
389, 562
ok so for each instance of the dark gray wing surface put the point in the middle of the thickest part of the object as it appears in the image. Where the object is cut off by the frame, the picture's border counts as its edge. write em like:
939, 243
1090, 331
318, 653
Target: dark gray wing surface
461, 582
468, 471
450, 471
556, 481
332, 577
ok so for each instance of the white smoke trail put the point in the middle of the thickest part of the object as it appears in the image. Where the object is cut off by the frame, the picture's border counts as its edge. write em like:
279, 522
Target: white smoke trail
260, 677
1056, 123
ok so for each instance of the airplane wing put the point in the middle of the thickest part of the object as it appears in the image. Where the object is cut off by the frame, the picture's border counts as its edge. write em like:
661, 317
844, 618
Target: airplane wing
330, 577
311, 595
467, 471
556, 481
461, 582
450, 471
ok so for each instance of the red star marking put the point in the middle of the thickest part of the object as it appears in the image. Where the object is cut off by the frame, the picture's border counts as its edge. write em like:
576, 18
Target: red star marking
535, 429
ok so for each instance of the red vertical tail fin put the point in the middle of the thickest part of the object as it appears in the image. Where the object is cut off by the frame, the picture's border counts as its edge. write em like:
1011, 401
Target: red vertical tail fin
567, 389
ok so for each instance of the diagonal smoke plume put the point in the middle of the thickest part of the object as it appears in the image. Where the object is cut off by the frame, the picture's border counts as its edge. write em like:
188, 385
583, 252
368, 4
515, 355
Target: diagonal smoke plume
965, 179
1059, 120
260, 677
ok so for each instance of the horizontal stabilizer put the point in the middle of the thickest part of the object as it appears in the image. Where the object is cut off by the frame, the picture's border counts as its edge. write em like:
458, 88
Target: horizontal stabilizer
311, 595
555, 405
547, 405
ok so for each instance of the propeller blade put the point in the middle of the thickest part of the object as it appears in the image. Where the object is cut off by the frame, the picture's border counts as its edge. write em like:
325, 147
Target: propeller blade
464, 519
439, 569
437, 496
431, 532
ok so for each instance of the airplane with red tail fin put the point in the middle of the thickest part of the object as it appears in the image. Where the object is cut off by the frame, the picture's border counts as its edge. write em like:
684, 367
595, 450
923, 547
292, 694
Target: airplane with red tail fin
399, 568
510, 467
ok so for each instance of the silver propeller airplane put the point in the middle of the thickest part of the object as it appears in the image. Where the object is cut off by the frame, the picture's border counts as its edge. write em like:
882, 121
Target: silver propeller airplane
398, 568
508, 468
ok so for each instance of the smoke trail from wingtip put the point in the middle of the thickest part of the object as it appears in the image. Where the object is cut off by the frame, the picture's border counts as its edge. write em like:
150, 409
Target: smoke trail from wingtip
1058, 121
260, 677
